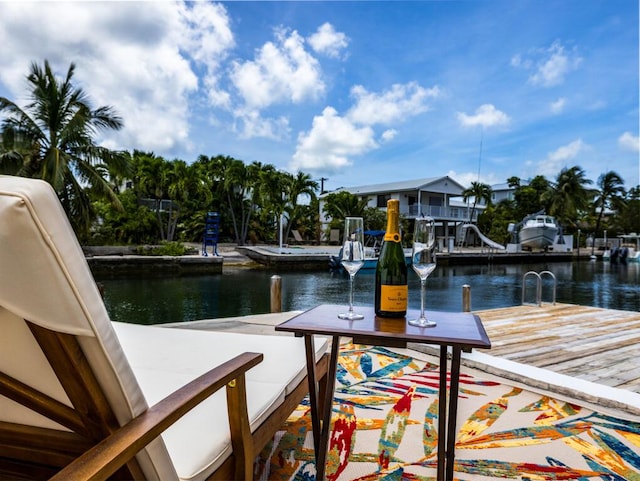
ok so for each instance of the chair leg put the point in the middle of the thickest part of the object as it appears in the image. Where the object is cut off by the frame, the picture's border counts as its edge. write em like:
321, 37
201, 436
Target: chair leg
241, 438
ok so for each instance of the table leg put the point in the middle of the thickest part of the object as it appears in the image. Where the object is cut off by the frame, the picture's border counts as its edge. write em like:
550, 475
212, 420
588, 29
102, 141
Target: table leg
313, 388
454, 388
323, 442
442, 413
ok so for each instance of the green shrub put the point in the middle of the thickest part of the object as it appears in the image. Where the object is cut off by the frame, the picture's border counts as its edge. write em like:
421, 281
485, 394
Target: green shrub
164, 249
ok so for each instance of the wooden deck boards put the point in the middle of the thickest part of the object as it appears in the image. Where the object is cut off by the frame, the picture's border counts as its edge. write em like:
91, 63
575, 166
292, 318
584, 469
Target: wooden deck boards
598, 345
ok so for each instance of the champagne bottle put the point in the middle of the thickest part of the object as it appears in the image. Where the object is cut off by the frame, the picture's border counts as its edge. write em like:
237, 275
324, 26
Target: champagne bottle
391, 272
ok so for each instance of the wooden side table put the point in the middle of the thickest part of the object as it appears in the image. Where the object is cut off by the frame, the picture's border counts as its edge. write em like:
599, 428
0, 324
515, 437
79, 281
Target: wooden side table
460, 331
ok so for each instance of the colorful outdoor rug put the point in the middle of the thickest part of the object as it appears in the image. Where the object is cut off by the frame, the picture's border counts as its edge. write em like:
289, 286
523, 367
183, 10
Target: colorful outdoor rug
385, 428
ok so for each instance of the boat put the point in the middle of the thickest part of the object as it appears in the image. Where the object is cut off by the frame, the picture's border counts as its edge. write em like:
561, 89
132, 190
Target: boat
622, 254
625, 252
538, 231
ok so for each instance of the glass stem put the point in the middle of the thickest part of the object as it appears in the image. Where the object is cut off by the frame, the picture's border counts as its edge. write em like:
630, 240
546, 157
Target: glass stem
351, 292
423, 284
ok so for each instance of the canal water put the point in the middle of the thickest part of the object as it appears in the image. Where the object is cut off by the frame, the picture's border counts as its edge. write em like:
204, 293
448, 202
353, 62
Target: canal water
241, 291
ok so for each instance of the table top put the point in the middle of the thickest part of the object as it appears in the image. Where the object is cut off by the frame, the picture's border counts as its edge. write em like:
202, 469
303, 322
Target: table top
462, 329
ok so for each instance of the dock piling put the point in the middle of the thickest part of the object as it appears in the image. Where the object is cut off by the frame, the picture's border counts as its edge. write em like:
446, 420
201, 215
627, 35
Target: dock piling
276, 293
466, 298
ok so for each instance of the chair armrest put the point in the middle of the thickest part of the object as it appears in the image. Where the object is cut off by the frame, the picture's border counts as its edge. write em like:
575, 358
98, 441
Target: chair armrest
110, 454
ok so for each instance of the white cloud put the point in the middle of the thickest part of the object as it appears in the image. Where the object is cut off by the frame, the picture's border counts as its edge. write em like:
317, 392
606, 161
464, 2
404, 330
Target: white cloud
208, 39
558, 106
397, 104
327, 41
330, 142
139, 64
628, 141
560, 158
252, 124
517, 61
282, 71
334, 139
551, 64
486, 116
466, 178
389, 135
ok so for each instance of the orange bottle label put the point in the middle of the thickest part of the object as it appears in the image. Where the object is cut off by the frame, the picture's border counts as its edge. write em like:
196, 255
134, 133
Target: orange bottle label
393, 298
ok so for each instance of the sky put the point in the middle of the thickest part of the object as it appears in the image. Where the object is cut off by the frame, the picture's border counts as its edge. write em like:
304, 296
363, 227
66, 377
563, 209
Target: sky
354, 93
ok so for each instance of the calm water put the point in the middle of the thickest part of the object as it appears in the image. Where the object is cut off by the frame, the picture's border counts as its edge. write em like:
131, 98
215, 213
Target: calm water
241, 291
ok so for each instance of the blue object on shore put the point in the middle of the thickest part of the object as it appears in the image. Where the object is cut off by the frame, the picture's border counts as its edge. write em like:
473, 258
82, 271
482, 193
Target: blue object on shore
211, 231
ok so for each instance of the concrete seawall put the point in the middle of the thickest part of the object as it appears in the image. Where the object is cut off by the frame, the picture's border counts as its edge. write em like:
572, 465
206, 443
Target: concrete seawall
127, 265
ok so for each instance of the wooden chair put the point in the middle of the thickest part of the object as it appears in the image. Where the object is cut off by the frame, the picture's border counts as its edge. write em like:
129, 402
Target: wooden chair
75, 388
296, 235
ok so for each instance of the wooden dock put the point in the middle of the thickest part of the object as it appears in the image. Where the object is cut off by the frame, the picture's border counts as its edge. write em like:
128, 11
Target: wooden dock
597, 345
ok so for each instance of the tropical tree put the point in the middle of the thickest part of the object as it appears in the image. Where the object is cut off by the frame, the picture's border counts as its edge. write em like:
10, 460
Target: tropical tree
298, 186
184, 184
236, 182
339, 205
479, 192
134, 224
568, 196
151, 180
610, 194
529, 198
629, 215
268, 197
52, 138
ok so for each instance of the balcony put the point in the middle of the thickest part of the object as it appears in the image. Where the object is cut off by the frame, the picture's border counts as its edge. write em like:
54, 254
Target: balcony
460, 214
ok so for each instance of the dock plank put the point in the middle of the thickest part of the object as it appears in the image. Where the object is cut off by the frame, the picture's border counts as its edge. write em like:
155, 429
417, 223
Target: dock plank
598, 345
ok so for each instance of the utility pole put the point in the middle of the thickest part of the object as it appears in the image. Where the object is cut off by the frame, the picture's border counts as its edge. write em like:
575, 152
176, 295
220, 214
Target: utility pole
322, 179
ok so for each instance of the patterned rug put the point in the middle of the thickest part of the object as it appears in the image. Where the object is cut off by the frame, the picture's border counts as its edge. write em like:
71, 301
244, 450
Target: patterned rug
385, 418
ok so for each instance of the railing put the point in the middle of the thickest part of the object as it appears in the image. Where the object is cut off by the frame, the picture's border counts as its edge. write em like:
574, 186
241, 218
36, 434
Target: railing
440, 212
538, 286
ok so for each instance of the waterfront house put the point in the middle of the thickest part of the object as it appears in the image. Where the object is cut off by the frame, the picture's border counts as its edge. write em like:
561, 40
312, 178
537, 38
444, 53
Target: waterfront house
438, 197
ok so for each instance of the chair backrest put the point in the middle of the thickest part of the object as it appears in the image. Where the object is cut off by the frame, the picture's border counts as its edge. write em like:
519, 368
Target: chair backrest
64, 380
296, 235
334, 236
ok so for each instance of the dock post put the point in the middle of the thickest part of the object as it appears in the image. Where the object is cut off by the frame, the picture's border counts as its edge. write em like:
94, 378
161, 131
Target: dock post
276, 293
466, 298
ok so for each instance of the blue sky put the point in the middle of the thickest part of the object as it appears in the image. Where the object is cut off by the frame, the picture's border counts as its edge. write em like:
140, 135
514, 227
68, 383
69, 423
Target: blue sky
355, 92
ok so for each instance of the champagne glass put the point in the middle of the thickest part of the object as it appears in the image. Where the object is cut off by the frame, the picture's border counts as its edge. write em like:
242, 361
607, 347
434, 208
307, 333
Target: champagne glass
423, 261
352, 258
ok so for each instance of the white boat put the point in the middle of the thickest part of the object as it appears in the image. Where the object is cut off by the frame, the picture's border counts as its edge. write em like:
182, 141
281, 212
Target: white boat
538, 231
626, 252
621, 254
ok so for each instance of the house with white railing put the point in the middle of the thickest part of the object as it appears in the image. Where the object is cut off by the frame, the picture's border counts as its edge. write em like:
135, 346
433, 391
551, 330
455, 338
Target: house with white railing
438, 197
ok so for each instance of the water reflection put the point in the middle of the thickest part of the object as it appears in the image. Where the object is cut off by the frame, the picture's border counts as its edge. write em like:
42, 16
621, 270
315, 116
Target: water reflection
239, 292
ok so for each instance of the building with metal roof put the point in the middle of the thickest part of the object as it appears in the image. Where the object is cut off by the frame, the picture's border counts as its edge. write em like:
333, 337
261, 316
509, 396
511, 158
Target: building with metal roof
437, 197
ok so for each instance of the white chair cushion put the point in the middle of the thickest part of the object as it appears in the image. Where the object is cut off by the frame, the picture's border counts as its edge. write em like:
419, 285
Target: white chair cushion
164, 359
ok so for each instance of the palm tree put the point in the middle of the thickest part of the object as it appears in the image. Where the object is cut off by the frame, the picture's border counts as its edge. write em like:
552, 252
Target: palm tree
610, 194
339, 205
270, 187
152, 182
184, 184
568, 195
529, 197
299, 185
52, 139
478, 191
236, 183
